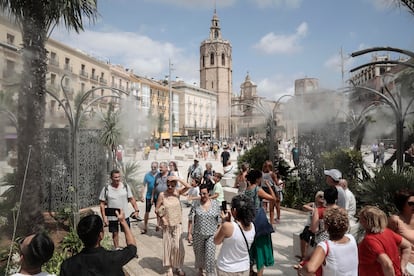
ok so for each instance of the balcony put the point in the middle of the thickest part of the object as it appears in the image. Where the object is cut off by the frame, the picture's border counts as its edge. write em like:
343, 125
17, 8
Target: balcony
103, 81
9, 73
83, 74
54, 62
67, 67
94, 77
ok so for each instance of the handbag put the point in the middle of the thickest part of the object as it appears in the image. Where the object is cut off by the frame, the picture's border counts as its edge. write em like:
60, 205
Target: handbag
261, 223
161, 211
319, 270
251, 272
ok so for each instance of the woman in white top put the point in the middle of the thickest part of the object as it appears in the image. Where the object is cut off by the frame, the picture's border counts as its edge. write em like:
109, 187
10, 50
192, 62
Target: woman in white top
339, 254
236, 236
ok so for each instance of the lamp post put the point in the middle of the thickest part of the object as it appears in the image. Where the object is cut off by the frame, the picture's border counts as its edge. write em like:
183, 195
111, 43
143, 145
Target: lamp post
271, 120
171, 107
394, 101
211, 119
273, 125
74, 116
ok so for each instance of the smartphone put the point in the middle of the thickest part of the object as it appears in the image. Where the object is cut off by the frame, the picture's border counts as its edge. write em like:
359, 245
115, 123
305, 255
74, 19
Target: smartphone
111, 211
224, 205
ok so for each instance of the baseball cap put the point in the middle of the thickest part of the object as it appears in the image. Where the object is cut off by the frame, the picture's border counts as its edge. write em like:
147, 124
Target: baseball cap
334, 173
195, 160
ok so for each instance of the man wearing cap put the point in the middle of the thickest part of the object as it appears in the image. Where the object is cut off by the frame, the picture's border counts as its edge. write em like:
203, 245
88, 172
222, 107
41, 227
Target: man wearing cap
332, 179
194, 171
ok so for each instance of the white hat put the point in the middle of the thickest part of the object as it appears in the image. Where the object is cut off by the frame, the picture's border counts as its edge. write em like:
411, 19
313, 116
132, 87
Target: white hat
334, 173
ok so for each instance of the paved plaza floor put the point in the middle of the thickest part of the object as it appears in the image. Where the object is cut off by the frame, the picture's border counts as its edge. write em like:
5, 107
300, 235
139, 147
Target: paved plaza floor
150, 248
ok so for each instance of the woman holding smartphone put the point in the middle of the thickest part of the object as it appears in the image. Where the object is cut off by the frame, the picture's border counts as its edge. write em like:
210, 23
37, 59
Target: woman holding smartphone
237, 237
206, 213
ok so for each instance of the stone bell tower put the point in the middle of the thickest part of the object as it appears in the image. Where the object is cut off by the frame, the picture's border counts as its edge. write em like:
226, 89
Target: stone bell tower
216, 73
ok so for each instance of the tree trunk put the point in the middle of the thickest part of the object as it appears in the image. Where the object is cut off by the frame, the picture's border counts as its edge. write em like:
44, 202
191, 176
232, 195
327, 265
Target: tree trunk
31, 115
360, 133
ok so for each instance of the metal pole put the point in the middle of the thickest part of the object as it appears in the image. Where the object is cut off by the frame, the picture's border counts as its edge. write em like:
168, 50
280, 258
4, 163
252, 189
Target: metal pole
211, 120
171, 107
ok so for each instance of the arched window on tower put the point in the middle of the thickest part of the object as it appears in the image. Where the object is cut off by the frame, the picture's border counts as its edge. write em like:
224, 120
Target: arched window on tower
212, 84
212, 59
204, 61
215, 34
223, 59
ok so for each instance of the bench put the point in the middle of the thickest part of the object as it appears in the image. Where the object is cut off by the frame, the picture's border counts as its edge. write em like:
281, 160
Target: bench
229, 193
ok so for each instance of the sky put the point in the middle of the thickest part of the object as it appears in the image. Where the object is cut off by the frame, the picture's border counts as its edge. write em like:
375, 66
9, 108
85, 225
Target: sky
274, 41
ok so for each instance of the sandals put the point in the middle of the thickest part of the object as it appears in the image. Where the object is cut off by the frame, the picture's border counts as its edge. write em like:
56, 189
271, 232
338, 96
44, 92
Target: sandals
179, 272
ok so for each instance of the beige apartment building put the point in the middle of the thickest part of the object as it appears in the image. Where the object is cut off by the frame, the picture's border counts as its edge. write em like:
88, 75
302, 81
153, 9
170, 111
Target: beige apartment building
197, 110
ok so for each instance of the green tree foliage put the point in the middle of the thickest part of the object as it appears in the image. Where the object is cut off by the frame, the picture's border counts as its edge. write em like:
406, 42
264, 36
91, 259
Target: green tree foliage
256, 156
36, 19
349, 162
111, 134
380, 190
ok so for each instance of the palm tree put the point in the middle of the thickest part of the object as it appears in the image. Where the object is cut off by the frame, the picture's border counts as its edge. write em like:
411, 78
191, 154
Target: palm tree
111, 135
409, 4
36, 19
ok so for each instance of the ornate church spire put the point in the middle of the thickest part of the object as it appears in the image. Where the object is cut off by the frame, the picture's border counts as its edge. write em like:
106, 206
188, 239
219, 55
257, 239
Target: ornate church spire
215, 31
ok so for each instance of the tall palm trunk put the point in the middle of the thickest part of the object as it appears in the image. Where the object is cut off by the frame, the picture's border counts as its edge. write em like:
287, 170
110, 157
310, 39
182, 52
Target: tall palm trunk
31, 118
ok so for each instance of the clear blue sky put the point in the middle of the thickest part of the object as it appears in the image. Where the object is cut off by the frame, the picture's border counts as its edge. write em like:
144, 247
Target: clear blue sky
276, 41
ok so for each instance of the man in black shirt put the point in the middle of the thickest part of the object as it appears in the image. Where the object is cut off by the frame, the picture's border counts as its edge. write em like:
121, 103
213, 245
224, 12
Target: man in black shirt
94, 259
225, 155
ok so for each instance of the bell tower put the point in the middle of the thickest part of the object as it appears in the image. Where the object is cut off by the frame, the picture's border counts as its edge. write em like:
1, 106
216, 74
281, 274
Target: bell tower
216, 73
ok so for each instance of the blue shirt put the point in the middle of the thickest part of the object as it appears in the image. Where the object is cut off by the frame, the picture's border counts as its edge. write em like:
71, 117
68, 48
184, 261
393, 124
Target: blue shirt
149, 180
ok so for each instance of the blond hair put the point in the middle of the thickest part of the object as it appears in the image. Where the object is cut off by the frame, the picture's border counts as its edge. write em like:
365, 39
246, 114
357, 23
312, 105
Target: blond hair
375, 220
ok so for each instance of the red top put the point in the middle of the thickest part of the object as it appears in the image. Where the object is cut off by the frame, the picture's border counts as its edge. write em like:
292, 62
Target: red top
375, 244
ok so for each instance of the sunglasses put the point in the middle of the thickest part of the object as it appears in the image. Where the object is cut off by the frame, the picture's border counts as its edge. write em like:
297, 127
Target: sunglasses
171, 185
410, 203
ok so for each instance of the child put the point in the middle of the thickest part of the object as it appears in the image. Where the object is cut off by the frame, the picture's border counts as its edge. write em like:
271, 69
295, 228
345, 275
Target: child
192, 195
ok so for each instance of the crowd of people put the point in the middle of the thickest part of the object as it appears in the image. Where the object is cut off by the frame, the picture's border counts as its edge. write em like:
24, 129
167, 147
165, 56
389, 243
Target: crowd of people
329, 241
331, 246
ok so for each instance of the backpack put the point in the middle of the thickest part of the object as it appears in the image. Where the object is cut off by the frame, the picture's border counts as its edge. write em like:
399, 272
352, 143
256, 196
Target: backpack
106, 191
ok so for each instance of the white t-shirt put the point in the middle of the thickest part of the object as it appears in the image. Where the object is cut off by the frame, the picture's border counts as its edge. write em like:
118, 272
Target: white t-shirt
116, 197
193, 192
342, 258
350, 205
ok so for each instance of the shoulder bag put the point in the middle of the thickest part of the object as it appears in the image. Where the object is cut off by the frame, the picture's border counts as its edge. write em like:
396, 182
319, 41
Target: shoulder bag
261, 223
251, 272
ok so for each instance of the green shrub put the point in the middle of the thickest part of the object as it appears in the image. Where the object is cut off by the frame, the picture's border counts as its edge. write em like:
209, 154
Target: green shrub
380, 190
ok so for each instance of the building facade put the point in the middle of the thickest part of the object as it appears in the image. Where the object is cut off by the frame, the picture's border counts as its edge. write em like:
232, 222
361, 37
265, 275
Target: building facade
197, 111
